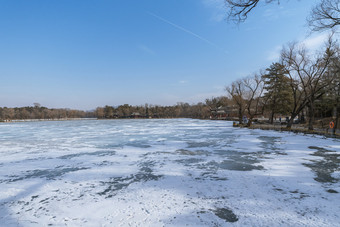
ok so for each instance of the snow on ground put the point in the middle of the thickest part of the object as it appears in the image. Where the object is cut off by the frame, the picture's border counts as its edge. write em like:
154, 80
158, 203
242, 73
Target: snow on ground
165, 173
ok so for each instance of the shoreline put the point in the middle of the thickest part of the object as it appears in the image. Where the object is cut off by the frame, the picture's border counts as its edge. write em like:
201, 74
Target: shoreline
296, 129
79, 119
37, 120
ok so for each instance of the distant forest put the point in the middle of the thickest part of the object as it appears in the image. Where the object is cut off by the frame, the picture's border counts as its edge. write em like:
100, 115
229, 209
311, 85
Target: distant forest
40, 112
181, 110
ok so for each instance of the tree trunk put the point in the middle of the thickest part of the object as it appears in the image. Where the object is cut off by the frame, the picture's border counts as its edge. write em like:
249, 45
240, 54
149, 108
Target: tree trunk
336, 117
291, 120
250, 120
310, 116
271, 120
336, 122
240, 115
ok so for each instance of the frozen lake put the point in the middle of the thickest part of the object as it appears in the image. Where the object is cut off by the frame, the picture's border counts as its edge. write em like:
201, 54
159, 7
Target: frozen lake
177, 172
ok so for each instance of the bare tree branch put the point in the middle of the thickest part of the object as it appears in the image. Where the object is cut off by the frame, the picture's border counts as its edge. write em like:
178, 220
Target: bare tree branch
238, 10
326, 15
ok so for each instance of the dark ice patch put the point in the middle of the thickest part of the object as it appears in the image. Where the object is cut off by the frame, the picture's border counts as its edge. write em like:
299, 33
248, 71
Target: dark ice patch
239, 166
188, 152
138, 144
194, 144
332, 191
212, 176
96, 153
34, 197
116, 184
190, 161
226, 153
269, 144
226, 214
49, 174
325, 167
238, 163
215, 178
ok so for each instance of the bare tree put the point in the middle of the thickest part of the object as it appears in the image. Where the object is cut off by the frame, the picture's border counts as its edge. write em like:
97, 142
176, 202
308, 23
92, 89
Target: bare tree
254, 87
308, 78
246, 94
333, 91
326, 15
236, 92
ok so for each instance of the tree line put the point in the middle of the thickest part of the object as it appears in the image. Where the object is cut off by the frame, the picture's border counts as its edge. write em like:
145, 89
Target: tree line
40, 112
180, 110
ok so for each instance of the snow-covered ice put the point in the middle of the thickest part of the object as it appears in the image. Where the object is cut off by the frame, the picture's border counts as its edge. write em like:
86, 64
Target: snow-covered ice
176, 172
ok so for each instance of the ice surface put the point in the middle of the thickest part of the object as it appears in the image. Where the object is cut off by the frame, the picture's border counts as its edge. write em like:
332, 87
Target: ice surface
176, 172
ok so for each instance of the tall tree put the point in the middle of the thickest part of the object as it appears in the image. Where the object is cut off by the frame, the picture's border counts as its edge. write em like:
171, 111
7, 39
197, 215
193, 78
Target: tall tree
108, 111
278, 94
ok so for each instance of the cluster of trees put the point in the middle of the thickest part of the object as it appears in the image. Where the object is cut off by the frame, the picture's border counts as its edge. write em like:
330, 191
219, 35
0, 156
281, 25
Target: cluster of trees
40, 112
298, 83
181, 110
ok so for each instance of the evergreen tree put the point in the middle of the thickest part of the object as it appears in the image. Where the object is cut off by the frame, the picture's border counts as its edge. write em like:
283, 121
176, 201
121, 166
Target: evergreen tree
278, 94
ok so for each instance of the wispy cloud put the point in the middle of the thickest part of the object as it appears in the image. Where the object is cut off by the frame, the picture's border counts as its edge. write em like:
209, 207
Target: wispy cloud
218, 7
274, 54
252, 28
183, 82
171, 98
184, 30
312, 44
274, 12
146, 49
203, 96
315, 42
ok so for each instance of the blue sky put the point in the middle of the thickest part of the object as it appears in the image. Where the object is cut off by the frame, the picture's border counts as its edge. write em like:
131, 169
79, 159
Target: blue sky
84, 53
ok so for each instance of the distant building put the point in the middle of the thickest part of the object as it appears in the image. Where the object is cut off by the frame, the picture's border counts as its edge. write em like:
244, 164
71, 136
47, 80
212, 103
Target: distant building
136, 115
221, 113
